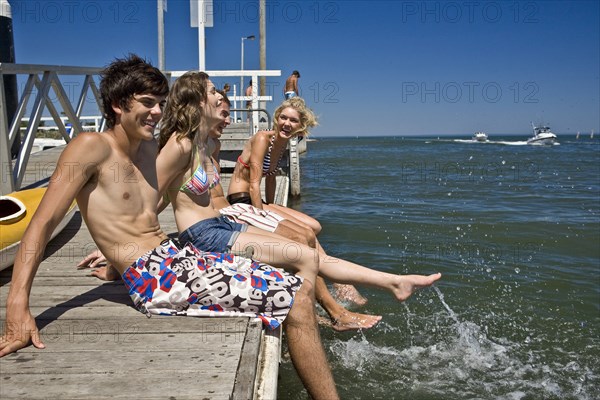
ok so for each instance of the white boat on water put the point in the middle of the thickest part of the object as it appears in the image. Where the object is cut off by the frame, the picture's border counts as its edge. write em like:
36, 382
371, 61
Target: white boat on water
480, 137
542, 135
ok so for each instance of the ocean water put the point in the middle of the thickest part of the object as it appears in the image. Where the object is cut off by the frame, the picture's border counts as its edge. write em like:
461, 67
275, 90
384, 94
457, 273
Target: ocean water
515, 231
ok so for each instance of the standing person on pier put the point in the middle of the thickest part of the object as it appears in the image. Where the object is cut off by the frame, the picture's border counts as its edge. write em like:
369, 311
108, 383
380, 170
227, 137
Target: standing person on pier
291, 86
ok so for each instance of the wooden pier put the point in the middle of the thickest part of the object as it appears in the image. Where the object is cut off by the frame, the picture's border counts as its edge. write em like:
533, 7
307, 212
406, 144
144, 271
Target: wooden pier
99, 346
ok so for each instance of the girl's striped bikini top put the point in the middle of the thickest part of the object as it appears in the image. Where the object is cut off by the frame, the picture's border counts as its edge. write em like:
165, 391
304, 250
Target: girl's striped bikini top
198, 184
266, 161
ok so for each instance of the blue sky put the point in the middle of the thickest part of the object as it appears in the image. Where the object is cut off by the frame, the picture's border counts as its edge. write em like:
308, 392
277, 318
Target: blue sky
368, 67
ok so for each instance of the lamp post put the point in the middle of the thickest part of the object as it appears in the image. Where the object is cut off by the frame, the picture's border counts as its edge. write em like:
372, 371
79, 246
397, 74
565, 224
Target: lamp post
242, 91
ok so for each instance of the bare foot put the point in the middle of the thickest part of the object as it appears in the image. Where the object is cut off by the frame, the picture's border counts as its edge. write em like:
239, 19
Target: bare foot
349, 320
321, 320
348, 293
405, 285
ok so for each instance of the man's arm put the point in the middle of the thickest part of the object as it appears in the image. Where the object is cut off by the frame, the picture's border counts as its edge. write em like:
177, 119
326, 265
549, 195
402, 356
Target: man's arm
78, 162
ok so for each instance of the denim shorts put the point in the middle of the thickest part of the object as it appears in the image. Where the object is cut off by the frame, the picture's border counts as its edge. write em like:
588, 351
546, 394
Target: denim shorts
214, 234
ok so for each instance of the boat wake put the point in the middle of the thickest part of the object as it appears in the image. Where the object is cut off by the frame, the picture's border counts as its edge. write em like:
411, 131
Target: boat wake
503, 142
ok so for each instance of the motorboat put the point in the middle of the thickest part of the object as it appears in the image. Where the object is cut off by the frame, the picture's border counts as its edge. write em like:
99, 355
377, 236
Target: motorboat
480, 136
542, 135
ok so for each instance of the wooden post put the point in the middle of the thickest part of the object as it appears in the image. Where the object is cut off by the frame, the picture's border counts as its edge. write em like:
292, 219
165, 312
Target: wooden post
294, 168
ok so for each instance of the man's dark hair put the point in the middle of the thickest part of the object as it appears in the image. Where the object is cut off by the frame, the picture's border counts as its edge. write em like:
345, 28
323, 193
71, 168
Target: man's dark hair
125, 77
296, 73
225, 98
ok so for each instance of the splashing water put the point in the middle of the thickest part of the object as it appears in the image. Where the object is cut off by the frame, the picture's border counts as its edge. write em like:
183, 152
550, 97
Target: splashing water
446, 306
408, 324
460, 360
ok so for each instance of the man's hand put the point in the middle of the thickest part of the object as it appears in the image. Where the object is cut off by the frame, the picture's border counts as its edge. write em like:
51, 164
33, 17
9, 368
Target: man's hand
19, 333
93, 260
106, 273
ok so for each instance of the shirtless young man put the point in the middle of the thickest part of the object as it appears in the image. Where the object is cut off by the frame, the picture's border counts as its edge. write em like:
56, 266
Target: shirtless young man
133, 93
291, 86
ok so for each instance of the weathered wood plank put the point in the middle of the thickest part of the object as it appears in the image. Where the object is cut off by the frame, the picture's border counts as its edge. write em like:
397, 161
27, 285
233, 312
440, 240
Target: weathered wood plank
209, 335
141, 324
67, 362
52, 387
155, 385
246, 370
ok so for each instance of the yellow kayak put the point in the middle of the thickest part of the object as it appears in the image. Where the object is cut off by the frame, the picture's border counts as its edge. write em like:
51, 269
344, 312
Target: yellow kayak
16, 211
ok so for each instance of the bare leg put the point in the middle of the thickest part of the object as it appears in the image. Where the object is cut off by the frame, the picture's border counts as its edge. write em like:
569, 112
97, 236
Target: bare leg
280, 252
342, 319
343, 292
303, 234
306, 349
401, 286
295, 216
297, 232
303, 221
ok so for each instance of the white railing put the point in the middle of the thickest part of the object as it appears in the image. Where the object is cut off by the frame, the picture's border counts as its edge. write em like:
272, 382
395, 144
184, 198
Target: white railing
42, 78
